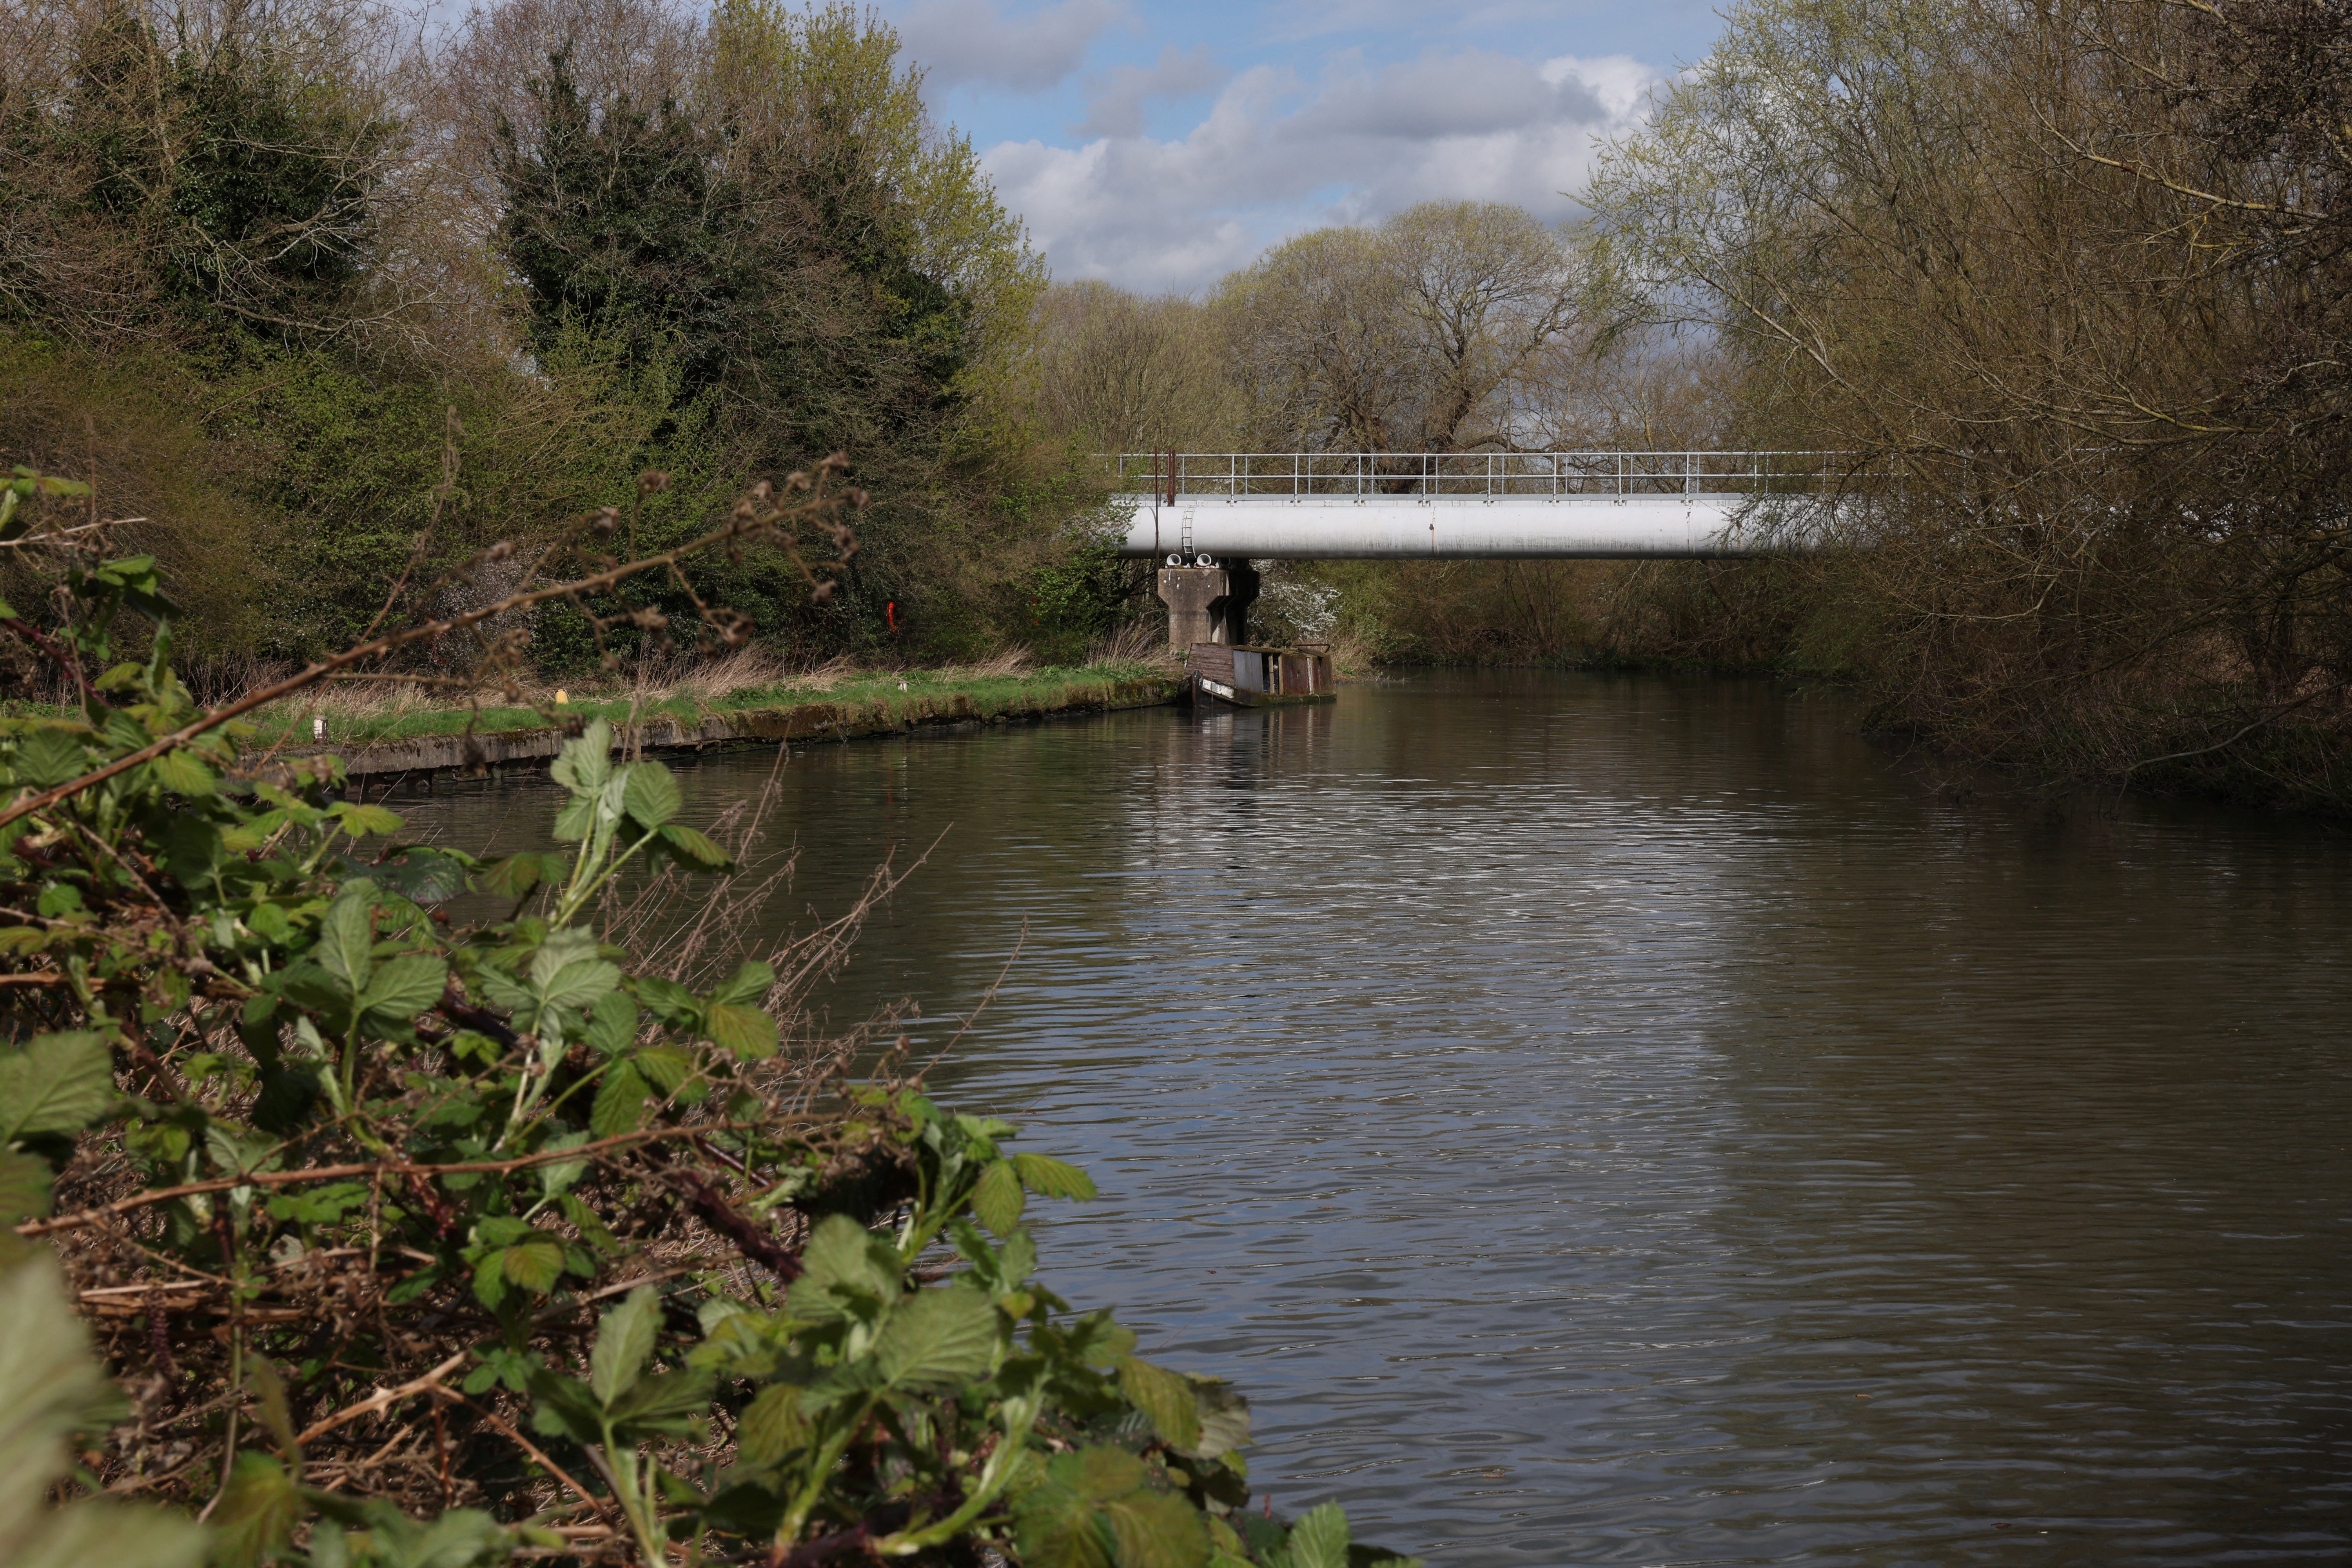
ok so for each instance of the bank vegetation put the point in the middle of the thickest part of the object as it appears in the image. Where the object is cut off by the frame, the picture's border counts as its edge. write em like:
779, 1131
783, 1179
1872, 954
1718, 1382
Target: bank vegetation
322, 298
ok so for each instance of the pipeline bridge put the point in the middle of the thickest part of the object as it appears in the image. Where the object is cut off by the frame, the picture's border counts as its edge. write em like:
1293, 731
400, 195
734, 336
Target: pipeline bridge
1205, 516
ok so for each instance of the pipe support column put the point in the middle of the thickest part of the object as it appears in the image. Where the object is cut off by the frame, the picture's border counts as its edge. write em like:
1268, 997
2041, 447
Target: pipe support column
1207, 604
1195, 598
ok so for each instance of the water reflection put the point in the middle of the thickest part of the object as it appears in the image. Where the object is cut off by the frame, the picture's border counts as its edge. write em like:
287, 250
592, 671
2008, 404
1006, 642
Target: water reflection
1628, 1120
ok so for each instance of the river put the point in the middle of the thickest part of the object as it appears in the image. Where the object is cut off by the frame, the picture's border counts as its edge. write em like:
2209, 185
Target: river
1630, 1119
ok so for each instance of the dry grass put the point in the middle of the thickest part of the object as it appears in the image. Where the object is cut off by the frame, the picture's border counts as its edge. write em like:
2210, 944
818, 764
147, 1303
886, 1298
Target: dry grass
703, 680
1013, 661
1143, 641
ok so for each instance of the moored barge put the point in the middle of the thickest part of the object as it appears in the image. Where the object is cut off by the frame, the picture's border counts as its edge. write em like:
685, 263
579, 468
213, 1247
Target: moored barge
1252, 676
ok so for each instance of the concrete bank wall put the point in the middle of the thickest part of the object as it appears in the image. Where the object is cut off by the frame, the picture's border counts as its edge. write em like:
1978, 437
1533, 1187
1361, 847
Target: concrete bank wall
811, 721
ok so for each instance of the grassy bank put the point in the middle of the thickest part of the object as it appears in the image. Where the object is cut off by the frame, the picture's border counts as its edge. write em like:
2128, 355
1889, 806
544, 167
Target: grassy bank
379, 731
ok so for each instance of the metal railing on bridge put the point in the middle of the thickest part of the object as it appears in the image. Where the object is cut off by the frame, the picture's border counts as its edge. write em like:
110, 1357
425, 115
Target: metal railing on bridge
1474, 474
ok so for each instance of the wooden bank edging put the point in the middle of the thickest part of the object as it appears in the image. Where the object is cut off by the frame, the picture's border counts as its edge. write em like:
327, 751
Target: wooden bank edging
488, 749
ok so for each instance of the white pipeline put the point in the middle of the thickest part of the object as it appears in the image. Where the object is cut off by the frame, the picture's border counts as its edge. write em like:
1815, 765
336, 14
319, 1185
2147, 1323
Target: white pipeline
1447, 528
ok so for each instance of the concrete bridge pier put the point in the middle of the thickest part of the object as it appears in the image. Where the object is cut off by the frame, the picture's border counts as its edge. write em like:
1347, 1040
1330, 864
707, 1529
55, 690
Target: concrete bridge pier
1208, 604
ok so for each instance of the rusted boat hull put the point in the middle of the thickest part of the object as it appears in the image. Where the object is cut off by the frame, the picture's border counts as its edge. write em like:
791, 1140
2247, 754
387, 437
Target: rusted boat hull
1248, 677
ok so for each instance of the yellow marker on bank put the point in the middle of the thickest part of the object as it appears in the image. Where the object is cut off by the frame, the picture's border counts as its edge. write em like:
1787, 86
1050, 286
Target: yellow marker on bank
562, 698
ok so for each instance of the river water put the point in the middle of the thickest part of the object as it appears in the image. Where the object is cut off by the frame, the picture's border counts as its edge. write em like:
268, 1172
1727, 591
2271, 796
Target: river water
1639, 1120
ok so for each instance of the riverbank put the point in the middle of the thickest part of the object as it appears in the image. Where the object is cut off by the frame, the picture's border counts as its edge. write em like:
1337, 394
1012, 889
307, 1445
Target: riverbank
393, 740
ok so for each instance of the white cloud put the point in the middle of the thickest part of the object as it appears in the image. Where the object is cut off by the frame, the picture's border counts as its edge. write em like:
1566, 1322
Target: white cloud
1115, 100
1274, 155
959, 41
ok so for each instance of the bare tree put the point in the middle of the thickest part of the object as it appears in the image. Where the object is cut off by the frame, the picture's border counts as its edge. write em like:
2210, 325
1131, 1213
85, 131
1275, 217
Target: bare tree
2066, 280
1415, 336
1122, 373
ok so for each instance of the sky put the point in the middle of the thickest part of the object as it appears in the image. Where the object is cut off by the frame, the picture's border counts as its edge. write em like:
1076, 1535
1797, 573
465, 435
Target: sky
1160, 146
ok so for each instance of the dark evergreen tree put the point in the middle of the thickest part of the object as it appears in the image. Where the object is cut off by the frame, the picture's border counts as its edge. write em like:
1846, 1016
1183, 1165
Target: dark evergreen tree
610, 223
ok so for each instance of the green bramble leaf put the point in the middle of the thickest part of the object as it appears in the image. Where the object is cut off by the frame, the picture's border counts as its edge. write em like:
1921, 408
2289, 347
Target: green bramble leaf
669, 1000
55, 1083
25, 1188
257, 1511
24, 1193
404, 987
746, 1033
49, 756
535, 1265
422, 876
750, 983
501, 1230
620, 1103
693, 849
501, 1365
1157, 1530
568, 971
1165, 1396
847, 1270
576, 820
515, 875
563, 1407
585, 764
1319, 1539
772, 1428
565, 978
1053, 1178
664, 1068
558, 1177
124, 732
937, 1340
317, 1206
347, 937
997, 1200
1094, 1508
583, 1219
651, 793
268, 922
184, 773
359, 821
663, 1404
270, 1395
613, 1023
624, 1337
1224, 1418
